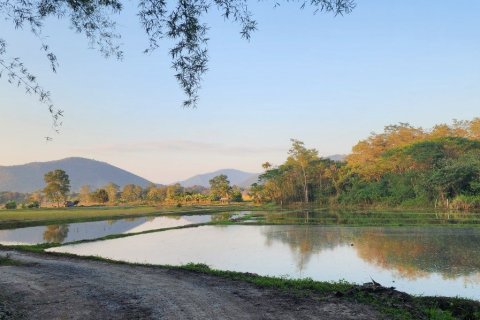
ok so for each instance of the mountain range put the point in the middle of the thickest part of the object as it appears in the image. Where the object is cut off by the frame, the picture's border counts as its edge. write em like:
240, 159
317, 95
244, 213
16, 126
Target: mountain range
29, 177
236, 177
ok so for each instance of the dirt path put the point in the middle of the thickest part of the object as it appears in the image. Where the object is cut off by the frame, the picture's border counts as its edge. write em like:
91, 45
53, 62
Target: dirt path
52, 287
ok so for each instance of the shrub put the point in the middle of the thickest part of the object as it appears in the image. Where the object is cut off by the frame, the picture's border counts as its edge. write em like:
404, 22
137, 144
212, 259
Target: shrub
33, 204
237, 196
463, 202
11, 205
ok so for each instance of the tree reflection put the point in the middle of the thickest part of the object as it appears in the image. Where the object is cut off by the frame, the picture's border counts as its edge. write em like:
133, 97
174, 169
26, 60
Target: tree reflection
305, 241
55, 233
222, 217
417, 252
412, 252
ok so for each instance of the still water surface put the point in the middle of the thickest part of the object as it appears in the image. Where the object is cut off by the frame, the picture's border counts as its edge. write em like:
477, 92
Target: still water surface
419, 260
91, 230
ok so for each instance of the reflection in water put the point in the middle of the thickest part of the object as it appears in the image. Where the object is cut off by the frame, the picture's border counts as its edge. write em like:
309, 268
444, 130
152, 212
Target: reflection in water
421, 260
96, 229
450, 252
305, 241
55, 233
412, 252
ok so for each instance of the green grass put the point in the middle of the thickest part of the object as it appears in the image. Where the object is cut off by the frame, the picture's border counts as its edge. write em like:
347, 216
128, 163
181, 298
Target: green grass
32, 217
296, 285
365, 218
262, 214
7, 261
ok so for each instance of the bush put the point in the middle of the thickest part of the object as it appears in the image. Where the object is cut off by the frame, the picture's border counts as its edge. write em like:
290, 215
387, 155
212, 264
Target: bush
11, 205
463, 202
33, 204
237, 196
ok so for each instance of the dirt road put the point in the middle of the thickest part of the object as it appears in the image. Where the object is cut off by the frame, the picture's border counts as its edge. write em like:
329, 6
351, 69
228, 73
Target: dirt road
53, 287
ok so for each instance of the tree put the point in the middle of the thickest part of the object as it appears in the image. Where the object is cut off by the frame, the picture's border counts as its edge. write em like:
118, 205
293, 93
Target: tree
131, 193
220, 187
58, 186
35, 199
56, 233
157, 194
174, 191
10, 205
179, 21
266, 165
99, 196
237, 195
404, 165
112, 190
256, 193
85, 194
301, 157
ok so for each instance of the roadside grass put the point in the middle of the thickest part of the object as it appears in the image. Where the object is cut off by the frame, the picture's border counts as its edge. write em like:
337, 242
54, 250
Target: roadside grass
391, 303
394, 304
7, 261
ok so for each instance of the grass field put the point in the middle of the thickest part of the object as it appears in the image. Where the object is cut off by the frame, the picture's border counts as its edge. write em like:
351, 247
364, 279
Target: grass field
31, 217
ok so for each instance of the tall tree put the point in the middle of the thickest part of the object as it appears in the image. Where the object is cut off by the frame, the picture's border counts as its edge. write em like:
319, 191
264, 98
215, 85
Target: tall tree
174, 191
58, 186
112, 190
300, 158
85, 193
131, 193
99, 196
157, 194
220, 186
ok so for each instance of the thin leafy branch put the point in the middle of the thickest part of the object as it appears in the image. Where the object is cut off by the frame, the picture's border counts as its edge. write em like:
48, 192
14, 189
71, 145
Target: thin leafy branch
17, 74
180, 21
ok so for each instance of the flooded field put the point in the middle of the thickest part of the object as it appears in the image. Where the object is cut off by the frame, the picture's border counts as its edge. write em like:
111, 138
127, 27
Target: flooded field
61, 233
419, 260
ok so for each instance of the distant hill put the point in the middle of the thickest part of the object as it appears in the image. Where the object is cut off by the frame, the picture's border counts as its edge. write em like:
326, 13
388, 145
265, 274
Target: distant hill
236, 177
337, 157
29, 177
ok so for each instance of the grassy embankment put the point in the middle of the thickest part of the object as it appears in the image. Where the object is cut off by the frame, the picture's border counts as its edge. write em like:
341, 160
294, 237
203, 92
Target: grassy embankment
7, 261
366, 218
32, 217
262, 214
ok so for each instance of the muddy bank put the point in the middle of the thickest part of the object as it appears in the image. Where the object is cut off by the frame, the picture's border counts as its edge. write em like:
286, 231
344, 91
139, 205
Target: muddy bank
53, 287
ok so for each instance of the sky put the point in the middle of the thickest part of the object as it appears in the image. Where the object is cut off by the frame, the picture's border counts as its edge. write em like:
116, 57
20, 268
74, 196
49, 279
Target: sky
328, 81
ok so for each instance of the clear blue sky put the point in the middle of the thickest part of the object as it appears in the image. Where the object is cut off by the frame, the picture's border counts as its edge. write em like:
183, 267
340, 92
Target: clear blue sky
324, 80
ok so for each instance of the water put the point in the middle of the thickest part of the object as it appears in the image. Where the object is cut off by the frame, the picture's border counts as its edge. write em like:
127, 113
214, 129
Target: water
418, 260
92, 230
367, 218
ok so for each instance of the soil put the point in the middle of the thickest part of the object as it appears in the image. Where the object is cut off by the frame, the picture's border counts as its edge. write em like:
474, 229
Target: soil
45, 286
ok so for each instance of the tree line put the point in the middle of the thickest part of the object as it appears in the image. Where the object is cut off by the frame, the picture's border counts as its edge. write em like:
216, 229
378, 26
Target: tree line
402, 166
57, 193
